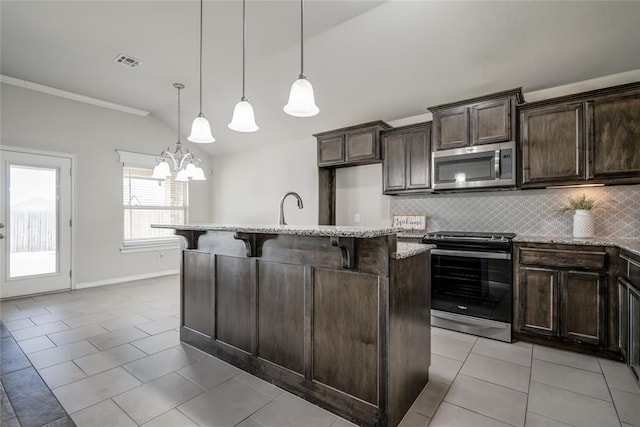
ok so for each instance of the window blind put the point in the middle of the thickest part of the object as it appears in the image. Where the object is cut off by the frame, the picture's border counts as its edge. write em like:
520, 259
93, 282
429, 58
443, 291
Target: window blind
149, 201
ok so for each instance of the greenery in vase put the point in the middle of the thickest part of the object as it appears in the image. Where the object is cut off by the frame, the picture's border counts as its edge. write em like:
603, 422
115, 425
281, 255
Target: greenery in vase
578, 203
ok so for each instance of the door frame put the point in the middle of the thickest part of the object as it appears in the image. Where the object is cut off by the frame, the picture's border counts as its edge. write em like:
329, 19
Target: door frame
74, 188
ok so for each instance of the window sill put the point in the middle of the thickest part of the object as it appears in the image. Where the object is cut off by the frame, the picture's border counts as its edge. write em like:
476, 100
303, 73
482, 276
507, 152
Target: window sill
149, 247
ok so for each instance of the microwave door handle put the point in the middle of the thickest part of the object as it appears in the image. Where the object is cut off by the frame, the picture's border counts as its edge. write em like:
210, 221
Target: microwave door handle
497, 164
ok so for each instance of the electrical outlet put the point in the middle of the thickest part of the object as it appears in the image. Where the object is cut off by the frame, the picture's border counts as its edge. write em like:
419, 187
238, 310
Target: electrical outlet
356, 218
161, 255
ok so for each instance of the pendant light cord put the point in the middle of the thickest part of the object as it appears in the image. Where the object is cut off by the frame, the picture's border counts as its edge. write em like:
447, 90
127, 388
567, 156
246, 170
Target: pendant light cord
244, 43
201, 9
179, 115
301, 38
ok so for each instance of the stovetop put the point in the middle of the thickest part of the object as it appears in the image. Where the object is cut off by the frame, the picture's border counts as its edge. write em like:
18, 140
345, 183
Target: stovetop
469, 235
470, 240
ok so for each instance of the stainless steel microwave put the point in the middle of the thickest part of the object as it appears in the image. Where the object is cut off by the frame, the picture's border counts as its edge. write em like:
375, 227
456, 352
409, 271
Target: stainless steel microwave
490, 165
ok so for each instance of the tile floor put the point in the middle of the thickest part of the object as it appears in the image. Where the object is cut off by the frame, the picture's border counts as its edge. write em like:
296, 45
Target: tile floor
112, 356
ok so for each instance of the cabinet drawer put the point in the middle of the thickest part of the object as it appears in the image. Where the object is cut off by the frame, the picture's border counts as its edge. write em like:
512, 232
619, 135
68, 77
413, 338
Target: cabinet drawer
565, 259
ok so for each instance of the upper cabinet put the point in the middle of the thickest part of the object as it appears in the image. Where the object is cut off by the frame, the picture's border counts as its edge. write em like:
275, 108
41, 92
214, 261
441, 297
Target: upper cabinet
406, 159
354, 145
591, 137
483, 120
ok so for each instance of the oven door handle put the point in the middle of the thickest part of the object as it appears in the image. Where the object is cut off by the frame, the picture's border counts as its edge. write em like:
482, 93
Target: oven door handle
471, 254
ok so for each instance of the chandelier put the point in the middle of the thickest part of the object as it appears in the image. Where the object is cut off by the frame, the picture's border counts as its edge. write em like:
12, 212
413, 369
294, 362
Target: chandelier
184, 163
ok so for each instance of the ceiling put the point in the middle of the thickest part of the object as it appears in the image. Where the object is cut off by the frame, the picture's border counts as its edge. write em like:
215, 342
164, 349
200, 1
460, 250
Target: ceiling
367, 60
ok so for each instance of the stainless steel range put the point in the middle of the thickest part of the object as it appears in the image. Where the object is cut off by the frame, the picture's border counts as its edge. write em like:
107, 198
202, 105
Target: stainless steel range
471, 282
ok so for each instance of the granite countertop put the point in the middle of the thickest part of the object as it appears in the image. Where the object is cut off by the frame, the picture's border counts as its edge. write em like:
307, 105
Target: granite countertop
406, 249
299, 230
630, 245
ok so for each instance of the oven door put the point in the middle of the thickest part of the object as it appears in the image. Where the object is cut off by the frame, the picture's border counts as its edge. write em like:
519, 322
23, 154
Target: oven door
472, 283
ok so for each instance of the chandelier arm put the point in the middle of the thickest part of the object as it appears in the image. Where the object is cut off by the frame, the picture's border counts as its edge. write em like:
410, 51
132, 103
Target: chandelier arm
172, 157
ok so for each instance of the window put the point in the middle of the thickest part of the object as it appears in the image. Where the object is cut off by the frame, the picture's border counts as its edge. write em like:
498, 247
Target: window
149, 201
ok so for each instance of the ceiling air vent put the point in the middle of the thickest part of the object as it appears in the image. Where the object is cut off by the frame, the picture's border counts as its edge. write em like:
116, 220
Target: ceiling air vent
127, 60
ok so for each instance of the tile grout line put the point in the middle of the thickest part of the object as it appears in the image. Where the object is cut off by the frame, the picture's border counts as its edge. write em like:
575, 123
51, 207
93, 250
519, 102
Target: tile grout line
526, 406
615, 407
452, 381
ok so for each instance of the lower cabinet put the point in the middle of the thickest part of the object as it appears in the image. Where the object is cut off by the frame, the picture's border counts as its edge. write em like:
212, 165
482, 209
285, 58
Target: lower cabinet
629, 314
568, 304
562, 294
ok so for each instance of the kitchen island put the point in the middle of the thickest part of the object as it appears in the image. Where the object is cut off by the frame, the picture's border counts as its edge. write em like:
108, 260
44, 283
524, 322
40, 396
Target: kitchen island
336, 315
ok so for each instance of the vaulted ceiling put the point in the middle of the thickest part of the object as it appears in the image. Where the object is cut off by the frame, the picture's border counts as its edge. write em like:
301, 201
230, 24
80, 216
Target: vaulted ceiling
367, 60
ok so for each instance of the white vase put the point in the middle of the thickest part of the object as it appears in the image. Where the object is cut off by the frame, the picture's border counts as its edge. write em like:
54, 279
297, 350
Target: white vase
583, 227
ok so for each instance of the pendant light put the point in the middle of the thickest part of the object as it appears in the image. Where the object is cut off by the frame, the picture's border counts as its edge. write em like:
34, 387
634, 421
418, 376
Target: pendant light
184, 163
243, 119
301, 100
200, 129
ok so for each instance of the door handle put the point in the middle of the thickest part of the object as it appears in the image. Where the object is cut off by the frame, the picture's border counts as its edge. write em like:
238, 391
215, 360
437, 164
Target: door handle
1, 224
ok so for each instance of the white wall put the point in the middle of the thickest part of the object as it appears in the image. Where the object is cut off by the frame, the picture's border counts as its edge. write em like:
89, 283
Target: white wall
249, 184
359, 189
37, 121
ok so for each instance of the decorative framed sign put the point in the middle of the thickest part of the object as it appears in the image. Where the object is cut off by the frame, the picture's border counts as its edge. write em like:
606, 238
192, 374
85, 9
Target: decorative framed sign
409, 222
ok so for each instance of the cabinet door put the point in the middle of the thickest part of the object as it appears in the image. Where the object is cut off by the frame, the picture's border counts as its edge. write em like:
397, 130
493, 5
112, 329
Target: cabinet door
491, 122
553, 147
623, 318
418, 152
634, 331
394, 162
583, 307
331, 150
614, 137
451, 128
539, 300
362, 145
197, 292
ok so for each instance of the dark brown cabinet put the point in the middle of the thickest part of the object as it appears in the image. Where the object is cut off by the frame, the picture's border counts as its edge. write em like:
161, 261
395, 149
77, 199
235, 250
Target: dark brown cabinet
354, 145
590, 137
539, 300
483, 120
553, 144
406, 159
562, 294
629, 314
613, 136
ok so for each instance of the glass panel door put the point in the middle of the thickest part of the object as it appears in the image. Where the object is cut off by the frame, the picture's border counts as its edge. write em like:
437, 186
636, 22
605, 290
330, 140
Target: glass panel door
36, 213
33, 209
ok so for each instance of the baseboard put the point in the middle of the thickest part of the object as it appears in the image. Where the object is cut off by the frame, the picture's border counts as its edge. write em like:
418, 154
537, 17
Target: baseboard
124, 279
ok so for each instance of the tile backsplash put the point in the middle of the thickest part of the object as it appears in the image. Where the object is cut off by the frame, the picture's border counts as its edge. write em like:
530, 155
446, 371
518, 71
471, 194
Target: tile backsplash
531, 212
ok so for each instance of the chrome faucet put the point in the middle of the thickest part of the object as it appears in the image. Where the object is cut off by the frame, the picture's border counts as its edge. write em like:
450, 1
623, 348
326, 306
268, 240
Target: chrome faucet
290, 193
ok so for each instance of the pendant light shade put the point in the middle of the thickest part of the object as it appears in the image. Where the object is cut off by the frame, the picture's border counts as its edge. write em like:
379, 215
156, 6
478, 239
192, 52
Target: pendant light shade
200, 129
182, 176
302, 101
162, 170
198, 174
243, 119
